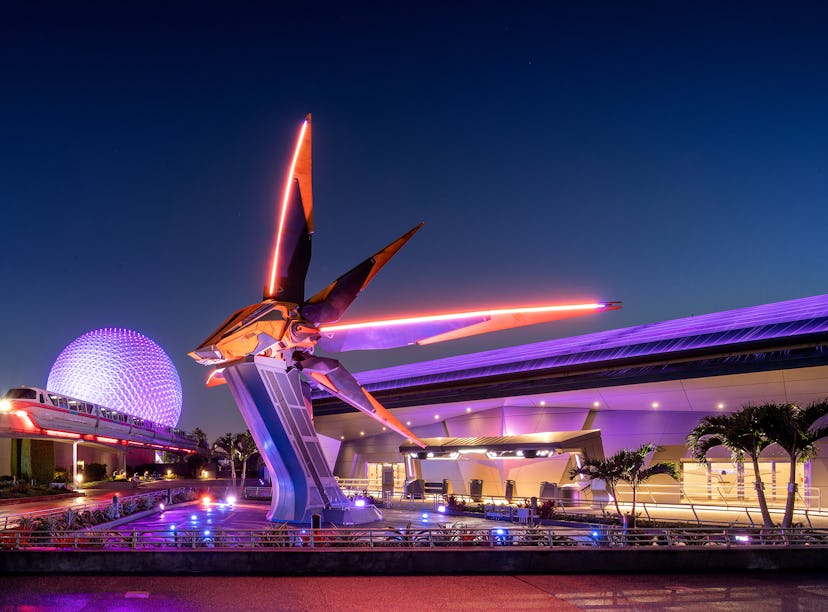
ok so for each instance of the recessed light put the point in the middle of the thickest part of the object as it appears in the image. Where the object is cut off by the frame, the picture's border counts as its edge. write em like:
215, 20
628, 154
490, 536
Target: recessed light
720, 405
468, 409
362, 433
341, 437
596, 404
655, 404
384, 428
543, 403
436, 417
408, 422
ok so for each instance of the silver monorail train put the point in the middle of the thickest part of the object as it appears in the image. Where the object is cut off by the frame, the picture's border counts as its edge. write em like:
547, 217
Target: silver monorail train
62, 416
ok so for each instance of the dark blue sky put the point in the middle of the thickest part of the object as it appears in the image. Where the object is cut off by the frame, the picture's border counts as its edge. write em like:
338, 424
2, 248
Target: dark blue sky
671, 155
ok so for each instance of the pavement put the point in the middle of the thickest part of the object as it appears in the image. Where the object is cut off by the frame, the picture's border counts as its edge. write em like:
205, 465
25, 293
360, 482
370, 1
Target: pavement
748, 592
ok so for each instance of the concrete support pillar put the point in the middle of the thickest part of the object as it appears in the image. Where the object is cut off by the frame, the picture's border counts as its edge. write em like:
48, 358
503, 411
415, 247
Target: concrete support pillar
74, 464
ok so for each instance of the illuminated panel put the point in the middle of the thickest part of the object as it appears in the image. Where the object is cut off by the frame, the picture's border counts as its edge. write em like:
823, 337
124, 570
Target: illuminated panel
107, 440
122, 370
283, 210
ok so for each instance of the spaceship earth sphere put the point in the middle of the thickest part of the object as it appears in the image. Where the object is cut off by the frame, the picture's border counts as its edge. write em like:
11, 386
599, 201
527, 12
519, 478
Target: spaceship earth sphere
120, 369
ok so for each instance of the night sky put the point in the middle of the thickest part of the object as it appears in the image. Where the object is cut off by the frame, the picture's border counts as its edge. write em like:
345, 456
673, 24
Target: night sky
672, 155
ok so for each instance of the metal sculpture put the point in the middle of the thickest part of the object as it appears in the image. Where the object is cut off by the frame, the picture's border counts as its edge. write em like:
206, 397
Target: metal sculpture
265, 353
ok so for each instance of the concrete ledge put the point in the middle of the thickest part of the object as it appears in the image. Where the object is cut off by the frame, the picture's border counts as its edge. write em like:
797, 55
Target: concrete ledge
298, 562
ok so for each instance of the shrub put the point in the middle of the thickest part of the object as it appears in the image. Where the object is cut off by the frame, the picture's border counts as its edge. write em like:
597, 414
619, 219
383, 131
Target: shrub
547, 509
456, 504
86, 518
21, 488
129, 506
94, 472
70, 519
61, 475
275, 536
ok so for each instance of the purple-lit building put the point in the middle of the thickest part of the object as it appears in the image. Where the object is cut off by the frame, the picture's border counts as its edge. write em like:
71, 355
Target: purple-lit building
591, 394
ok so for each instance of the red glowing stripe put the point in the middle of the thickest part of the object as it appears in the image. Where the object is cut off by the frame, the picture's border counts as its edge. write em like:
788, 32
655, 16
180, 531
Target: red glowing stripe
463, 315
108, 440
61, 434
283, 212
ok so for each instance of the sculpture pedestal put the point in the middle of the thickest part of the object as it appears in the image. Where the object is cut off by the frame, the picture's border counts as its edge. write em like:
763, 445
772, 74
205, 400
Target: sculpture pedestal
278, 415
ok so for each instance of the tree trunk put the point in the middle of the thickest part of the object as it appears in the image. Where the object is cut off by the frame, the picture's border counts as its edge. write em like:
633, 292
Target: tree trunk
787, 519
244, 473
760, 494
632, 511
615, 500
233, 471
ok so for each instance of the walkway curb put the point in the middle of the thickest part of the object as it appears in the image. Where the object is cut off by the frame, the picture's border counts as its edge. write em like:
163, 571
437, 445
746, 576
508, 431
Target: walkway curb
341, 562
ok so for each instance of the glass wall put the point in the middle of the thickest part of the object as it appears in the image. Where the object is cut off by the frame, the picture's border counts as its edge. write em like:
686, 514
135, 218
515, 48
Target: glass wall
728, 482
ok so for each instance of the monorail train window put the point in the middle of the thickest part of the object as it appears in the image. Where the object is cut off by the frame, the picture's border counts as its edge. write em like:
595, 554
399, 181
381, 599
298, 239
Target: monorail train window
21, 393
41, 399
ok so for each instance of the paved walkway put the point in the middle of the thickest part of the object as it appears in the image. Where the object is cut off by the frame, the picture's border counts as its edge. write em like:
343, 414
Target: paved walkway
748, 592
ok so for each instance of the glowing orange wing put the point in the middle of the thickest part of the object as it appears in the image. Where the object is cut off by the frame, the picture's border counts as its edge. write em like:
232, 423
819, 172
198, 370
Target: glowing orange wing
428, 329
291, 250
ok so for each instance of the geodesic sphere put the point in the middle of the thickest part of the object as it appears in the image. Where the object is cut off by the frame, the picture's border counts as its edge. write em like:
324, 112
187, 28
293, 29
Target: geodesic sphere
122, 370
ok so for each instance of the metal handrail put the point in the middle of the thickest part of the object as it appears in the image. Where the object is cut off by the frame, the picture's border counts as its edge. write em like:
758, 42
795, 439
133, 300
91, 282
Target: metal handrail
283, 537
701, 494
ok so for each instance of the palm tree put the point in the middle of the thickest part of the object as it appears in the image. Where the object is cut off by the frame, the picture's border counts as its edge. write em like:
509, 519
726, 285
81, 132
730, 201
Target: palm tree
743, 433
624, 466
633, 472
607, 470
796, 430
225, 445
201, 438
245, 449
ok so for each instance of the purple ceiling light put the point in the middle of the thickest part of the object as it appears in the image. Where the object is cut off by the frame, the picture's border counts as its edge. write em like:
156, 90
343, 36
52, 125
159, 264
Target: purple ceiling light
120, 369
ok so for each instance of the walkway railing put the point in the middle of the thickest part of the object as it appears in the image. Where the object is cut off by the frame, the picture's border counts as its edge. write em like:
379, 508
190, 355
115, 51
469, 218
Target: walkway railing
690, 494
283, 537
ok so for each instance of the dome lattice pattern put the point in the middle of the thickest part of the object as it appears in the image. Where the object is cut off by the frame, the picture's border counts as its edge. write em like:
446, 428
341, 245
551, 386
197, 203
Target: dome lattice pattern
120, 369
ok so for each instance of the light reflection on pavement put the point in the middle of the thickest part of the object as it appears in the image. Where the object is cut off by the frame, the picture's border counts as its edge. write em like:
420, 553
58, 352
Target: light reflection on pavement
747, 592
251, 515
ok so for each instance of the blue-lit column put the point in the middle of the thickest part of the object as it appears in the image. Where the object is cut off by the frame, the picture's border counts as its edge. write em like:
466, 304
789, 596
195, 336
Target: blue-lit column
269, 396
